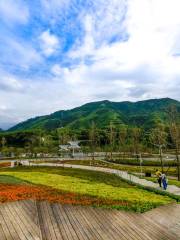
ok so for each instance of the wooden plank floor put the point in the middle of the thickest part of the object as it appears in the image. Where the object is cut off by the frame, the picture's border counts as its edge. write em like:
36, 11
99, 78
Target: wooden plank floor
31, 220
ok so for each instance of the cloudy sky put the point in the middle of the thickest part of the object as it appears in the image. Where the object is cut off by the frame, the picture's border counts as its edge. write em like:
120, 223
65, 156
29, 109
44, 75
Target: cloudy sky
58, 54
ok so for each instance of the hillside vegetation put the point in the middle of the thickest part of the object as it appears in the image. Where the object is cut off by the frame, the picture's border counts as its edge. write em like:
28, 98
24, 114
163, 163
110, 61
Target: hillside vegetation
141, 114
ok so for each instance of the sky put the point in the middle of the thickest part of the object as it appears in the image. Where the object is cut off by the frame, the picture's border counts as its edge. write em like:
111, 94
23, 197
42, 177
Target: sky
59, 54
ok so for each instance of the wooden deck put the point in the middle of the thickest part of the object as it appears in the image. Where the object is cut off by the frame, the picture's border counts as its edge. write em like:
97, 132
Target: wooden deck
31, 220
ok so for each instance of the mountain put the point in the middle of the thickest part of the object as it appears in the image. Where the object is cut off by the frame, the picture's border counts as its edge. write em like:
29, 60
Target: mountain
143, 114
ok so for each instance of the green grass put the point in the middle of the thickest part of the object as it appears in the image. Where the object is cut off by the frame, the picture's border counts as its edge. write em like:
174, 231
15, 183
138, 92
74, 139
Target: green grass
129, 168
174, 182
145, 162
11, 180
91, 183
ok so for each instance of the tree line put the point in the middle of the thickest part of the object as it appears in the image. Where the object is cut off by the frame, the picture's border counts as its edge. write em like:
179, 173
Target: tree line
116, 137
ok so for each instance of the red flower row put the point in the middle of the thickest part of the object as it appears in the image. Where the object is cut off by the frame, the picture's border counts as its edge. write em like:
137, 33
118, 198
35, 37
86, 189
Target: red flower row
10, 192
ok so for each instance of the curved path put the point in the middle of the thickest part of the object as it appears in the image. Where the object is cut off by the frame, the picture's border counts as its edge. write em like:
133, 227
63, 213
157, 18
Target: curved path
31, 220
123, 174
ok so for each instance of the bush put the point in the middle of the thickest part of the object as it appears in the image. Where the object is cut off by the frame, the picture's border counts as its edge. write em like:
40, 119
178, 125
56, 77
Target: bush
136, 162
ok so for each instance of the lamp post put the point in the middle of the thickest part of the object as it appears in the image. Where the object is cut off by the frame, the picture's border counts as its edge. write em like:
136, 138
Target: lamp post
140, 161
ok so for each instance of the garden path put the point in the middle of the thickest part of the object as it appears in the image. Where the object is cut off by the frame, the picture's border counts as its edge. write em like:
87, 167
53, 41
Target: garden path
123, 174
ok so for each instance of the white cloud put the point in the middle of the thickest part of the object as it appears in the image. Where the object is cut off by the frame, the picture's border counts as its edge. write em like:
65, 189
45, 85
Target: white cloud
22, 54
9, 83
52, 7
59, 71
14, 11
143, 65
53, 10
49, 43
102, 24
145, 61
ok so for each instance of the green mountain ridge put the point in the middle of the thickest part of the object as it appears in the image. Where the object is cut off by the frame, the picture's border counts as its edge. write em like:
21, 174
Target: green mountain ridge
143, 114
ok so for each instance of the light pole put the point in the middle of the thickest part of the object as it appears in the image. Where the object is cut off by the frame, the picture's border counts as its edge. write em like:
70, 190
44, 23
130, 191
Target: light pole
160, 155
140, 161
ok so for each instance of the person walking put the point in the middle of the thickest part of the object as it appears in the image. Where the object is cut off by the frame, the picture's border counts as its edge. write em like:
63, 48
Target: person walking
159, 178
164, 180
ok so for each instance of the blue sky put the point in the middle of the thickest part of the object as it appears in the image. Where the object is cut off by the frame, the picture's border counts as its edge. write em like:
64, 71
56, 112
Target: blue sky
58, 54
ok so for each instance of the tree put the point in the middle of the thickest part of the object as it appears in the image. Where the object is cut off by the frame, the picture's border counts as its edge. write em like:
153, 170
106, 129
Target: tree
174, 129
136, 137
93, 139
3, 142
122, 139
158, 138
3, 145
63, 135
112, 135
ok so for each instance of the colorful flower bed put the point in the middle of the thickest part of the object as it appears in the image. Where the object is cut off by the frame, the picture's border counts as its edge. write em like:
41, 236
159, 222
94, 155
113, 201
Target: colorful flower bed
9, 192
75, 186
5, 164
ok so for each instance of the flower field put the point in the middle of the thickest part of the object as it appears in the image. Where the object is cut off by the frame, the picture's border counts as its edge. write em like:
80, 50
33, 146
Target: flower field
75, 186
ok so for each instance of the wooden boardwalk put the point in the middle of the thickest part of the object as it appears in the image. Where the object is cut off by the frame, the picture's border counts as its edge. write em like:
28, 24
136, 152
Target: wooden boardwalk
31, 220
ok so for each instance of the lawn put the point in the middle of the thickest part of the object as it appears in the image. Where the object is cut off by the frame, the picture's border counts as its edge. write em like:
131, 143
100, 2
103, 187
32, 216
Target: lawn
129, 168
89, 187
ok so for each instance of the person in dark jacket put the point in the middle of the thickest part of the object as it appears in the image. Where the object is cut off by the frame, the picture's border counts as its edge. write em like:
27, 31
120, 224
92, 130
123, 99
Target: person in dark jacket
159, 178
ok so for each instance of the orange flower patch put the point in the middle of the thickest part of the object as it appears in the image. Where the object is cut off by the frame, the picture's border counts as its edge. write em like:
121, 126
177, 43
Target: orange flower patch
5, 164
10, 192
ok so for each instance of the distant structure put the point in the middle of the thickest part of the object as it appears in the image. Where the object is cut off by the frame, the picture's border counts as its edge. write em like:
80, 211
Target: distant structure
72, 148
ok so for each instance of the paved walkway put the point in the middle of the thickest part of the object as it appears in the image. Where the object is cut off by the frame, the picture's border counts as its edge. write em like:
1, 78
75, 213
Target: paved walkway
123, 174
31, 220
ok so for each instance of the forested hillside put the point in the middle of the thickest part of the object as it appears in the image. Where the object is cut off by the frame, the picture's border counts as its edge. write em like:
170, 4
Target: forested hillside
144, 114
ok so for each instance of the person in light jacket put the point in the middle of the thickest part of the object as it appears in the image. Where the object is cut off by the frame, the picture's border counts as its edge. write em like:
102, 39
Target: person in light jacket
164, 180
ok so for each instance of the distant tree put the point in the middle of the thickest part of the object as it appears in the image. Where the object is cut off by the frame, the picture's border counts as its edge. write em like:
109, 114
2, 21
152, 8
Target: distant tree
122, 137
174, 129
4, 148
3, 142
112, 138
136, 138
93, 139
18, 151
6, 151
41, 138
158, 138
63, 135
